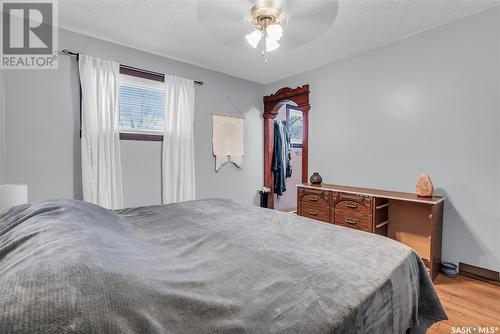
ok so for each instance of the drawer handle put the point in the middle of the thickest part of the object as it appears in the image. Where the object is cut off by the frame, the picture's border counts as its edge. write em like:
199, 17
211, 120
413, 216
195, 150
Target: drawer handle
313, 212
352, 221
351, 205
313, 198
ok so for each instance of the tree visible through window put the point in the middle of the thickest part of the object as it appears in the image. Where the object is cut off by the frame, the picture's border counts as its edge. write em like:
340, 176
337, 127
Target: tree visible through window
295, 123
142, 105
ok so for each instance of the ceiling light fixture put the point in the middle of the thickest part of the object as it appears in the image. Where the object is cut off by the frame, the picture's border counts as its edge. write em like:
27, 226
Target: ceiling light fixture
266, 18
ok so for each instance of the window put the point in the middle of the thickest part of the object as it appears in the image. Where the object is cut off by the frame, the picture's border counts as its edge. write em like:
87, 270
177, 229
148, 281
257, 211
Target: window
142, 105
295, 123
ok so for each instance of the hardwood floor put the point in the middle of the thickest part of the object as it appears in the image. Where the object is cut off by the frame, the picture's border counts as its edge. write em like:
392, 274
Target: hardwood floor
468, 303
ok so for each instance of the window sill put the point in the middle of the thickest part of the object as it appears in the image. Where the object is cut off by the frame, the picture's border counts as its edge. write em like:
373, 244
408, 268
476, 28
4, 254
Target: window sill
140, 136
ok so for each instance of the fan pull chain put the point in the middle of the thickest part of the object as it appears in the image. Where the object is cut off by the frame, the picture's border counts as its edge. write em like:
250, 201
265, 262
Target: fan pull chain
264, 46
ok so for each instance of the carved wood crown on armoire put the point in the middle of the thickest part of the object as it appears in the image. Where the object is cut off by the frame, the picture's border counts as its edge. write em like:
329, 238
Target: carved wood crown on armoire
414, 221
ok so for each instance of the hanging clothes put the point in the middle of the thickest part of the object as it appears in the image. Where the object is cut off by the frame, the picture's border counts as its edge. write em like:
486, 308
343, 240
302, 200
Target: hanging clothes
288, 149
282, 164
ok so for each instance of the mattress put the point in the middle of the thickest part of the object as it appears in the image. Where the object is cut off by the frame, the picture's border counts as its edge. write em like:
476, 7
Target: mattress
206, 266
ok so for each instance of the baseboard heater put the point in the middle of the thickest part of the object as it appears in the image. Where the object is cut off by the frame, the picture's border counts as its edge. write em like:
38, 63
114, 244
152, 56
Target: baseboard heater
479, 273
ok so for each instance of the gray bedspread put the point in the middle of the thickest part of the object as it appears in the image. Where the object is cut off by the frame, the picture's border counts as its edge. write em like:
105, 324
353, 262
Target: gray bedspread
208, 266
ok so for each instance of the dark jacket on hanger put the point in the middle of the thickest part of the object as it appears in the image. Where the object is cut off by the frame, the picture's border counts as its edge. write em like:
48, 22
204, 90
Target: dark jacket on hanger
281, 164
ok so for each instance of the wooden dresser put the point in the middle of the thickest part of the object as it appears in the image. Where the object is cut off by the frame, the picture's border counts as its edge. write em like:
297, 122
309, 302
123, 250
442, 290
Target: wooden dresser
414, 221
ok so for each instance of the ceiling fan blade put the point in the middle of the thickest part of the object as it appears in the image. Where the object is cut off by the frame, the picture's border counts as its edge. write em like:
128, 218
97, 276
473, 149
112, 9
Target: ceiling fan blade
306, 21
227, 21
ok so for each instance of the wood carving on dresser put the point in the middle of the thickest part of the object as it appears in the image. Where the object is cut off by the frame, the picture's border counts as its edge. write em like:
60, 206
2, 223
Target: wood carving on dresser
353, 210
314, 203
414, 221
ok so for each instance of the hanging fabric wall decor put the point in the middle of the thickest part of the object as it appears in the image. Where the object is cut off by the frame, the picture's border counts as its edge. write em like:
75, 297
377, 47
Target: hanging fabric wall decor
227, 140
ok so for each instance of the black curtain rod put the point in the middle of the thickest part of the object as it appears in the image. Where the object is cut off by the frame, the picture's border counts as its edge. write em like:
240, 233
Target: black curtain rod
77, 55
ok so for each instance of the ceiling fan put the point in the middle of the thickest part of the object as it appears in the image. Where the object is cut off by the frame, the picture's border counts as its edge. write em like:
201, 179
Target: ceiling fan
266, 17
266, 25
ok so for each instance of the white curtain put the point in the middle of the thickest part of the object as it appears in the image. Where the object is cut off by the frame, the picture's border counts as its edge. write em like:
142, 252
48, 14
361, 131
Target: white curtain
178, 175
101, 166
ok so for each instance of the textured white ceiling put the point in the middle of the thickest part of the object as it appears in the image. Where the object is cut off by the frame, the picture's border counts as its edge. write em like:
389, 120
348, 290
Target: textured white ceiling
211, 33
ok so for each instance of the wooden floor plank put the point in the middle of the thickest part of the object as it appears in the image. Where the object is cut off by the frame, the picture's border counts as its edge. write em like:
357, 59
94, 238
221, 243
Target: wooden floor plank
468, 303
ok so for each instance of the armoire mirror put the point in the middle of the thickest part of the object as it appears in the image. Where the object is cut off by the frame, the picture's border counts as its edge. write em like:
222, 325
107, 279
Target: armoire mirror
292, 106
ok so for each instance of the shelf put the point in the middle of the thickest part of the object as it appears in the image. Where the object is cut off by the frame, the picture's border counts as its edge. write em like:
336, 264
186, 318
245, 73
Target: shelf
382, 206
427, 262
382, 224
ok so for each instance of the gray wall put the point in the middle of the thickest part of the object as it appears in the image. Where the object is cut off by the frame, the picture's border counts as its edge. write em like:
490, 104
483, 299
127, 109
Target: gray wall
429, 103
42, 117
2, 126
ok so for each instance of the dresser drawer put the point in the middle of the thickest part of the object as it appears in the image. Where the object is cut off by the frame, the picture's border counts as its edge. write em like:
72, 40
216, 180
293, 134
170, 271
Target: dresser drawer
314, 196
354, 206
314, 211
348, 213
353, 221
354, 203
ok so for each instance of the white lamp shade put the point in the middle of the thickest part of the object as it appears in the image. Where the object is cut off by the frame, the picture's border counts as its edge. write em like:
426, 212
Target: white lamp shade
271, 45
254, 38
274, 32
12, 195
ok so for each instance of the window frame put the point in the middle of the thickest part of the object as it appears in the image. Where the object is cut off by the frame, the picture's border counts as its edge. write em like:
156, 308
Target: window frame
132, 71
289, 109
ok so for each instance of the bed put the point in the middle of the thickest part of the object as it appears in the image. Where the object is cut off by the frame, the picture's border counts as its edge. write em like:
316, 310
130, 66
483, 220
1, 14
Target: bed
206, 266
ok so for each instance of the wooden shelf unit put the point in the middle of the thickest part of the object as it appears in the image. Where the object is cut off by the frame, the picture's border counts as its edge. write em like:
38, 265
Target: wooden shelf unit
414, 221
